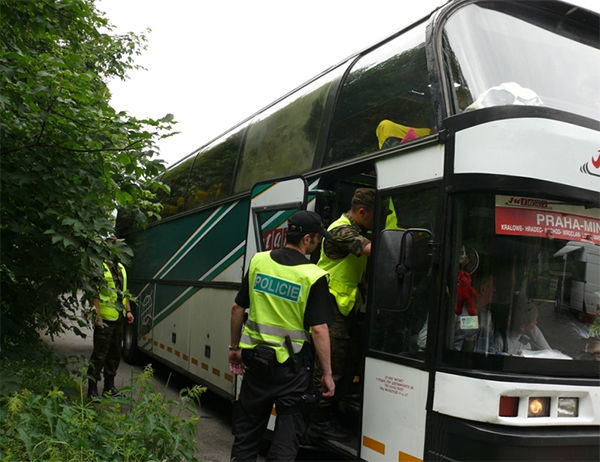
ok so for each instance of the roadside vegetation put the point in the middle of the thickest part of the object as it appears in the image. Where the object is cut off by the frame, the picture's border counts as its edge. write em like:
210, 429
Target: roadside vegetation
45, 415
68, 160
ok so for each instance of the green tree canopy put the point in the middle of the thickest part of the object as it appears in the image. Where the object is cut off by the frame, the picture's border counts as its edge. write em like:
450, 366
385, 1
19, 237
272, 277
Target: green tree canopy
67, 158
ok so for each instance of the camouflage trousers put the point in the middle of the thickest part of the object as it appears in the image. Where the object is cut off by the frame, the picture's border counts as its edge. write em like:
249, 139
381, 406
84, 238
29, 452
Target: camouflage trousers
345, 361
107, 349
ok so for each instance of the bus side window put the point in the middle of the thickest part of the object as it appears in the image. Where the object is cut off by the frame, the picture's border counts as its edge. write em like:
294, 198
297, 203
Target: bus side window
212, 172
282, 140
177, 179
393, 331
389, 86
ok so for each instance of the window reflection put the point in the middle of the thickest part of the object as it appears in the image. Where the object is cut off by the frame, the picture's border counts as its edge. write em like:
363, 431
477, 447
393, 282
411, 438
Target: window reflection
177, 179
399, 332
546, 279
282, 140
513, 56
212, 173
385, 95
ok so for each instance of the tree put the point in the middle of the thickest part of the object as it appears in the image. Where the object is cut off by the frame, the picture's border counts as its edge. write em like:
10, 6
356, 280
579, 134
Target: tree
67, 158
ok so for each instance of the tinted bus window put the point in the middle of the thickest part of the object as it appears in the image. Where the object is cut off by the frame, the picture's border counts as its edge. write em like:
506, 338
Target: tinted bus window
400, 332
281, 141
531, 301
386, 93
177, 179
212, 172
497, 58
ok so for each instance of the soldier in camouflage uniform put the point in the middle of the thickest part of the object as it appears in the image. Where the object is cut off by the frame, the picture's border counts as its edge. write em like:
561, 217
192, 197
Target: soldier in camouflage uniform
345, 258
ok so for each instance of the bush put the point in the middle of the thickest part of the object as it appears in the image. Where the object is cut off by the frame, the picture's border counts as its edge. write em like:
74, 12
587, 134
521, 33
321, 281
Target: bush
68, 160
50, 418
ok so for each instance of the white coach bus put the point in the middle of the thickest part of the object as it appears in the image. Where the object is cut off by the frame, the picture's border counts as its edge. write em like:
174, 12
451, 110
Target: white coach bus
479, 127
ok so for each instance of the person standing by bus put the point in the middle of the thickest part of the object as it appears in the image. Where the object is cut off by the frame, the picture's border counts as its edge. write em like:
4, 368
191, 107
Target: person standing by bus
111, 310
344, 257
288, 298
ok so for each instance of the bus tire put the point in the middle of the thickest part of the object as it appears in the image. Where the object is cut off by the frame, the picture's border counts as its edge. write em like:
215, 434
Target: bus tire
130, 351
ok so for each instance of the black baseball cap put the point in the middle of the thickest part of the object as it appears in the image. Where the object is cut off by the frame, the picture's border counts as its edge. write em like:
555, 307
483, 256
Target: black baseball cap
307, 222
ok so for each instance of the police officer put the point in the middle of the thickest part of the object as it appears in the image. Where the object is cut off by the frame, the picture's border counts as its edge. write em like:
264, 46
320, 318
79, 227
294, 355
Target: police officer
288, 298
111, 310
344, 257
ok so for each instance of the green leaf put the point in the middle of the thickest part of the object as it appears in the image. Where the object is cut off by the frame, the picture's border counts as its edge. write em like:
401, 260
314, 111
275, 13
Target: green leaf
123, 158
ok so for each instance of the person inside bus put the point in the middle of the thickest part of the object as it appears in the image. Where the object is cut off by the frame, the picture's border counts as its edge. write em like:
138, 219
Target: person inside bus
344, 257
524, 333
479, 338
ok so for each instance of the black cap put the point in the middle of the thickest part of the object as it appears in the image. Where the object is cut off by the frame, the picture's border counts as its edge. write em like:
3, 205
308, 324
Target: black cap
307, 222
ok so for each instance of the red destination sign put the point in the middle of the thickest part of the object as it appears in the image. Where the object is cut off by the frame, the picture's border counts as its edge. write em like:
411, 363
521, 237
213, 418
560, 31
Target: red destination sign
532, 217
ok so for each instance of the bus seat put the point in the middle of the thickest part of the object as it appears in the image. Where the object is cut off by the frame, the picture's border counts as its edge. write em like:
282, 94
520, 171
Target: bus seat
395, 133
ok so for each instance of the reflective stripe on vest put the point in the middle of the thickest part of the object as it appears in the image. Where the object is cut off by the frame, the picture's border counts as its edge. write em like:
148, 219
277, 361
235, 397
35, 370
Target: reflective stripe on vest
345, 274
108, 296
278, 298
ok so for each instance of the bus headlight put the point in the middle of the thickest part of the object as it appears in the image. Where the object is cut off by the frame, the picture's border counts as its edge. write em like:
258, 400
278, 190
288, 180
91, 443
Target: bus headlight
568, 407
539, 407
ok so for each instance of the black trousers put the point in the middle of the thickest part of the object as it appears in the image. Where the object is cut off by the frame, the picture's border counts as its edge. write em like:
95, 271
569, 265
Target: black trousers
107, 349
252, 411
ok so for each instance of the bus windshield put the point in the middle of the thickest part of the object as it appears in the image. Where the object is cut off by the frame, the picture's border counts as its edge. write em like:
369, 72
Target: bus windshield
526, 280
511, 54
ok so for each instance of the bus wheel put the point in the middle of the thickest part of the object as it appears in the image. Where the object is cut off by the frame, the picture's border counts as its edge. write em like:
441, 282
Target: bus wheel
131, 354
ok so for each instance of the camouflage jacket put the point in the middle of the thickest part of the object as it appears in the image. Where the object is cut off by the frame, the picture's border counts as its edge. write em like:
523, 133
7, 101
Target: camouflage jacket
346, 240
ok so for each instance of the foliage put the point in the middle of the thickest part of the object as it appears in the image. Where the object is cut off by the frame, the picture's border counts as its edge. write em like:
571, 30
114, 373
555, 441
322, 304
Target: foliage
68, 159
35, 367
595, 328
51, 419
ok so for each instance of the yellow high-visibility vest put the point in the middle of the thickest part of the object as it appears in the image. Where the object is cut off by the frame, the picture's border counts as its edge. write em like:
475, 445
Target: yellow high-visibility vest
344, 274
278, 298
108, 297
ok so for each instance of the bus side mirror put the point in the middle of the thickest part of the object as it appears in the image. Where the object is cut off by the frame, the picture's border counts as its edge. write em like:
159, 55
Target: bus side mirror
394, 263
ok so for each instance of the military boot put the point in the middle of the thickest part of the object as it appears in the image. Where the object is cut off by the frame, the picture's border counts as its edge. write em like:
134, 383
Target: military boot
92, 389
109, 387
324, 425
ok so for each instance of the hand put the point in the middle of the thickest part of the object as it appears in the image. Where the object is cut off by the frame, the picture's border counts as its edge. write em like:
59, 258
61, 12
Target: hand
328, 386
130, 317
236, 364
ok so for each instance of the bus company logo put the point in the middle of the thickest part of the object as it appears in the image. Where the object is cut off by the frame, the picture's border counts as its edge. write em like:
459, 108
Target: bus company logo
147, 307
592, 167
527, 202
274, 239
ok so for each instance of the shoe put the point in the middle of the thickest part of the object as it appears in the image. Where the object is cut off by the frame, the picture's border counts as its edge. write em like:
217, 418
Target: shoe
109, 387
92, 389
329, 431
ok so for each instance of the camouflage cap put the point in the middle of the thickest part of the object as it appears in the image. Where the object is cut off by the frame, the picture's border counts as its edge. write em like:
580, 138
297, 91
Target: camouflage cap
364, 197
